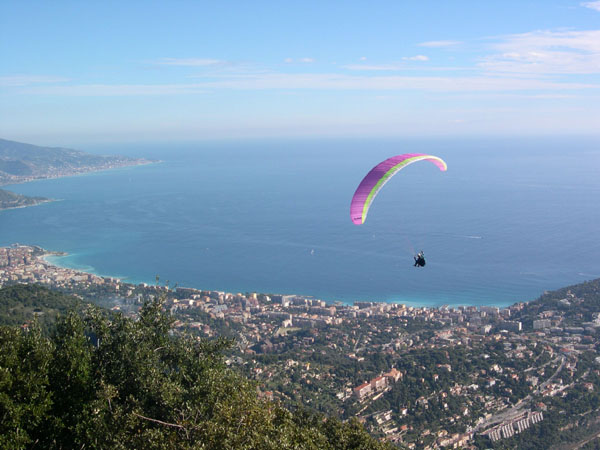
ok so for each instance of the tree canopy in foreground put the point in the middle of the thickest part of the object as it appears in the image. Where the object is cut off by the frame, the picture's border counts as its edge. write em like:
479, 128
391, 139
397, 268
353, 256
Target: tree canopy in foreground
100, 381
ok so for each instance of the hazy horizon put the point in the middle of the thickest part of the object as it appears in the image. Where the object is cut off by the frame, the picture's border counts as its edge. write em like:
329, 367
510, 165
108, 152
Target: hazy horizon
82, 73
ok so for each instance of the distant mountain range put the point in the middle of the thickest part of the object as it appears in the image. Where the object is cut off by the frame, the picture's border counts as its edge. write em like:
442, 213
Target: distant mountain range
21, 162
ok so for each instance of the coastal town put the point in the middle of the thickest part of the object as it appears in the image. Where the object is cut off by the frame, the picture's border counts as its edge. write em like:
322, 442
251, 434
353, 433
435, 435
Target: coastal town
419, 377
60, 172
25, 162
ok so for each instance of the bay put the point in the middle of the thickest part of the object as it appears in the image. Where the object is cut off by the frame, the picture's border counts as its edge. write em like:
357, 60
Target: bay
510, 218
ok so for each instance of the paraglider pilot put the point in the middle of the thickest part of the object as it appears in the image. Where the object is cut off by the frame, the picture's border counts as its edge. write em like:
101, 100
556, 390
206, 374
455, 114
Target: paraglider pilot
420, 259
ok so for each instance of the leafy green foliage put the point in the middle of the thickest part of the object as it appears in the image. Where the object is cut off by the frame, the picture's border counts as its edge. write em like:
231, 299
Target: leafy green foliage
578, 303
100, 381
25, 398
20, 303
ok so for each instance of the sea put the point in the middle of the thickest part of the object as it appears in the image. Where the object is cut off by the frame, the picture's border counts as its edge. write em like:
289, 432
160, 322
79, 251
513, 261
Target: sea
510, 219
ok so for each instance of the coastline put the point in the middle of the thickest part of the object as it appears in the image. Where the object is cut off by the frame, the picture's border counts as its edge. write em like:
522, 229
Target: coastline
142, 162
50, 258
41, 202
85, 171
74, 172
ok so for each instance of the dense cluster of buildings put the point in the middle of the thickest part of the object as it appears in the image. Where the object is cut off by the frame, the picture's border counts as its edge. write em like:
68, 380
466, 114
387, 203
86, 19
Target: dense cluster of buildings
514, 426
25, 264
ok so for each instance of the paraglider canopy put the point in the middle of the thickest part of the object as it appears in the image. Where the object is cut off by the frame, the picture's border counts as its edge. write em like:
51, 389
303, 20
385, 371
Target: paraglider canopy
379, 175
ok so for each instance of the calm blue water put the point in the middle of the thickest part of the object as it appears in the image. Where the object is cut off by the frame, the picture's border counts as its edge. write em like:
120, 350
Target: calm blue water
510, 219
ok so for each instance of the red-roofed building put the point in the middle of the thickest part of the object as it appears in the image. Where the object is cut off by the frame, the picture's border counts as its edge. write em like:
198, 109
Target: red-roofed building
379, 383
362, 391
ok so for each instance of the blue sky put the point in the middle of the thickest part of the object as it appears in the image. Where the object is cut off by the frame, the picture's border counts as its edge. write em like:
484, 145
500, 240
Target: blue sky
85, 72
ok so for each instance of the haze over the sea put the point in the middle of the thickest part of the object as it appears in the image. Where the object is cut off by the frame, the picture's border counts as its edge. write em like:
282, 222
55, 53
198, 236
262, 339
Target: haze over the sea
508, 220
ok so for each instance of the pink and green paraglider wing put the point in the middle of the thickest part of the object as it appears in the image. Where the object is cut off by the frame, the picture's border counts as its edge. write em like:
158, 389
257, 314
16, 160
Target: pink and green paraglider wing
378, 176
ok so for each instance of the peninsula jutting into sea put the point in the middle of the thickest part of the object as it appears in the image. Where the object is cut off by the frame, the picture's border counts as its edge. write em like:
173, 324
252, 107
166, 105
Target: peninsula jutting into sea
10, 200
21, 162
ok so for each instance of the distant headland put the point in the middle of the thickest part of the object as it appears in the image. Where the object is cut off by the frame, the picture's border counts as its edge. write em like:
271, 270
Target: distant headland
20, 162
10, 200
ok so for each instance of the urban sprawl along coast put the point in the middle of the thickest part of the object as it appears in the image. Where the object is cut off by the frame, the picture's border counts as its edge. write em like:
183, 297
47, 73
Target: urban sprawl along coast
418, 377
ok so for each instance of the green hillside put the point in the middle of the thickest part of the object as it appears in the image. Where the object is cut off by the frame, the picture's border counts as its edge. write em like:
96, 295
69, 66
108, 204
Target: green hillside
20, 303
21, 162
11, 200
